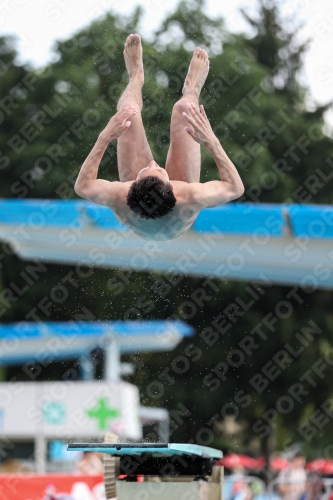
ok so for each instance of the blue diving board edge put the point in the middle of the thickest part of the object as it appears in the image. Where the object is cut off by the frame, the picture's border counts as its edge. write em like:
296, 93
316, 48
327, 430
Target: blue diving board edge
70, 340
36, 330
64, 213
242, 218
237, 218
159, 449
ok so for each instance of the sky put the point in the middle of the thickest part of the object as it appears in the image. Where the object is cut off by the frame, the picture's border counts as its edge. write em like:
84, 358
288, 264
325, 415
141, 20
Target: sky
38, 23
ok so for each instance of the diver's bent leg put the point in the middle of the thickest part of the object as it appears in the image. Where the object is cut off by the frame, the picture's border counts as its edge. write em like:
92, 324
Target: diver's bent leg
132, 146
184, 159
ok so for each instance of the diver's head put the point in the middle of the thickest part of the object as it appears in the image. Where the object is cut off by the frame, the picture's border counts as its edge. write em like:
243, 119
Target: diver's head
151, 194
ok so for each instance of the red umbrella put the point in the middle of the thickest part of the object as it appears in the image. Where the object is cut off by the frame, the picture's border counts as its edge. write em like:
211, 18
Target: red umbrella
317, 465
320, 465
237, 460
328, 469
279, 463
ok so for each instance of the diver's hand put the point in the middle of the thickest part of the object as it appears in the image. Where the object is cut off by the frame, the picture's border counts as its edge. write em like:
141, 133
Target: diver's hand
200, 129
117, 124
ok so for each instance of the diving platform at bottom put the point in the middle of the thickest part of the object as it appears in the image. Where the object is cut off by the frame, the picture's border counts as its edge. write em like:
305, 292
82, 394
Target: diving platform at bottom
163, 471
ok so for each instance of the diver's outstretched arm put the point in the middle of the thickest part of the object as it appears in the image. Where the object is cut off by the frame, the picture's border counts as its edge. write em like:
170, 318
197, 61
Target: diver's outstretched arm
213, 193
87, 185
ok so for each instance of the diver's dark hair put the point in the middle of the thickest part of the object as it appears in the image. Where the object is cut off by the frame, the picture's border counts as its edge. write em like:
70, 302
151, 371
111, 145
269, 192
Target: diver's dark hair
151, 198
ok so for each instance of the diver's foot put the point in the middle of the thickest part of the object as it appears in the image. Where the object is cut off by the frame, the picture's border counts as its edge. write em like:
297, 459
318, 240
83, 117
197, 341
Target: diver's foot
197, 72
133, 58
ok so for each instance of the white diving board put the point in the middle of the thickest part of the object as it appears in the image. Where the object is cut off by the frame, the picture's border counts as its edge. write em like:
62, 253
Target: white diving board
282, 244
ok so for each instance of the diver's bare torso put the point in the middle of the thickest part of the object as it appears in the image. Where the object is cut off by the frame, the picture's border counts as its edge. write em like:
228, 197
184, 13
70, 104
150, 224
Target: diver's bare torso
167, 227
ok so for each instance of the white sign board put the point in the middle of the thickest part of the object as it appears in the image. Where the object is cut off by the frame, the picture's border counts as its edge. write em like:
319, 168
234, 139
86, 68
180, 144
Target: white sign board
69, 409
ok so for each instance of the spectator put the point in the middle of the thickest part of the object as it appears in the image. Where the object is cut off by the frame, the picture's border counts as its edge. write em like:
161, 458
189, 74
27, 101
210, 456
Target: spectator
91, 463
237, 487
314, 488
241, 491
292, 480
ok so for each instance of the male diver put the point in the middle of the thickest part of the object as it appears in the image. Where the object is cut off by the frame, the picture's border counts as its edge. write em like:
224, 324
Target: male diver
159, 203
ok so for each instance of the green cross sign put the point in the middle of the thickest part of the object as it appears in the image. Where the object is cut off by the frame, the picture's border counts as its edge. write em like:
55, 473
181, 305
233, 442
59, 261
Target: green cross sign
102, 412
